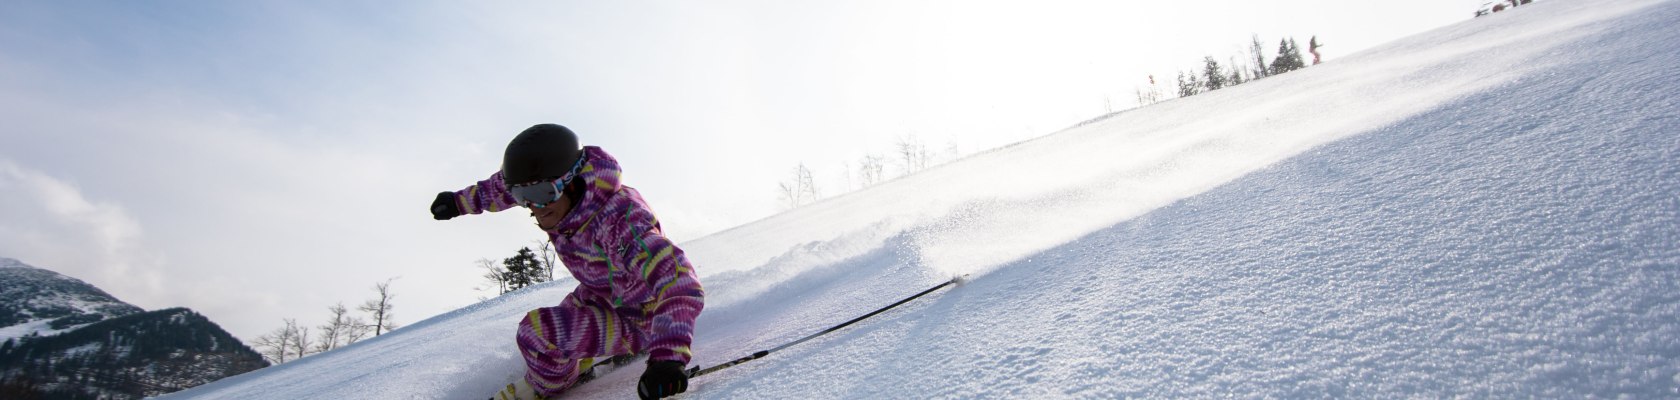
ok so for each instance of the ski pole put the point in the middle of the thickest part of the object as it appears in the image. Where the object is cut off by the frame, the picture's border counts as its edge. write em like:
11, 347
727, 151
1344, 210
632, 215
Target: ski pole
696, 371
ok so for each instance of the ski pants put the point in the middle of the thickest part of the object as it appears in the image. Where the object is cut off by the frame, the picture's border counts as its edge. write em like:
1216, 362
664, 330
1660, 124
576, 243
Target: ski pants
561, 343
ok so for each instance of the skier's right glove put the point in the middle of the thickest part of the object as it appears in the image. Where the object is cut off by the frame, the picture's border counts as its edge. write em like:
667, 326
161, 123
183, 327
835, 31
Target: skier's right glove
445, 207
662, 379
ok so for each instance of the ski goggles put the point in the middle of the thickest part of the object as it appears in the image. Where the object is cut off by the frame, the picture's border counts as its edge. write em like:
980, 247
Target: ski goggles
540, 194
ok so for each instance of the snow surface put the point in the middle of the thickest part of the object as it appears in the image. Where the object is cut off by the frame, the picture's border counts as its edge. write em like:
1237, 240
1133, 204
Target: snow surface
83, 303
42, 327
1490, 209
12, 263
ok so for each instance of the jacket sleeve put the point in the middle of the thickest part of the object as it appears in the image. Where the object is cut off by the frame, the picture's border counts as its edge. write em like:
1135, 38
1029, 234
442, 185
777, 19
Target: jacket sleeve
489, 195
677, 297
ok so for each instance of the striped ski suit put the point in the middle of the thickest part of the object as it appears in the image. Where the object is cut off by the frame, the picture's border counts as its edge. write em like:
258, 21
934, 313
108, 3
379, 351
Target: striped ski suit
636, 290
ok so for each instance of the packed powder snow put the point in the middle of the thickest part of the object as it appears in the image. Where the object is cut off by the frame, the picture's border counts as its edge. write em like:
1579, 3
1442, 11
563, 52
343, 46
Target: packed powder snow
1490, 209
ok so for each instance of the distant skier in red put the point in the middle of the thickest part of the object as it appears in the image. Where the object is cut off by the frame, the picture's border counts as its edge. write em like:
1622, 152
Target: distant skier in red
636, 293
1312, 47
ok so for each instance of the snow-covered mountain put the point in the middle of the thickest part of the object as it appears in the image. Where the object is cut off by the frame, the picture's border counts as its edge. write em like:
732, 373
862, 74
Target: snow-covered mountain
1489, 209
35, 301
68, 339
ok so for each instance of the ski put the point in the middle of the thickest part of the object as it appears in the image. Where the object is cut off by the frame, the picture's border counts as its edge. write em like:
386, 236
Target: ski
602, 368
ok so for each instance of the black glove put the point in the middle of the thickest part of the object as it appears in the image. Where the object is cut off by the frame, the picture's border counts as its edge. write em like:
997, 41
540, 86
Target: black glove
445, 207
662, 379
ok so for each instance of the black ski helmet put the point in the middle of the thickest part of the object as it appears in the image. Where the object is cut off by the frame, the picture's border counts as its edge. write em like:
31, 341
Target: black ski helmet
543, 151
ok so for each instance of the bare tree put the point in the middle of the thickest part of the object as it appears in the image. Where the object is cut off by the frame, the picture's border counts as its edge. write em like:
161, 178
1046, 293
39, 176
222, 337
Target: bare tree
1239, 75
1258, 51
265, 345
788, 192
1149, 95
808, 184
546, 255
871, 170
355, 330
276, 346
494, 276
380, 307
335, 330
288, 343
952, 151
800, 190
300, 340
912, 153
846, 176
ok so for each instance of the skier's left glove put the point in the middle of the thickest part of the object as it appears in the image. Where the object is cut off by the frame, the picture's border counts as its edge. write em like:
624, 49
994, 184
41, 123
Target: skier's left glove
662, 379
445, 206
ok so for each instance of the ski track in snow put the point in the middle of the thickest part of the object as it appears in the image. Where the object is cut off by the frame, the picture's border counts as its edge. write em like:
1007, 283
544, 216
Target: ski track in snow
1491, 209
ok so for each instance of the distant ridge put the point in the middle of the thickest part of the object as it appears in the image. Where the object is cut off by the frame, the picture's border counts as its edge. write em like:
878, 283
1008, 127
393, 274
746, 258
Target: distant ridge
61, 337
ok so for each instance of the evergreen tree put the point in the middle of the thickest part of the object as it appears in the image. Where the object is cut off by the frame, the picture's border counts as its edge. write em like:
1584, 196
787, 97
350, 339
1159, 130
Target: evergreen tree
1295, 55
1189, 84
1214, 74
523, 269
18, 386
1289, 57
1259, 53
1281, 63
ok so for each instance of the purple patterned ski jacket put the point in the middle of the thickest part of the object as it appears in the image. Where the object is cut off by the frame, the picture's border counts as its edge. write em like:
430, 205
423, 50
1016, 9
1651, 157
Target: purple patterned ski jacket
612, 244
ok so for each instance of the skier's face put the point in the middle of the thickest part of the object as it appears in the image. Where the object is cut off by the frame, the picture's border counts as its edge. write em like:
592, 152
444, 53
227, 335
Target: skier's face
549, 217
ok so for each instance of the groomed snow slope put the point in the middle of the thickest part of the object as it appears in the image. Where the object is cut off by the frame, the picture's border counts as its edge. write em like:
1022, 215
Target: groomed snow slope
1491, 209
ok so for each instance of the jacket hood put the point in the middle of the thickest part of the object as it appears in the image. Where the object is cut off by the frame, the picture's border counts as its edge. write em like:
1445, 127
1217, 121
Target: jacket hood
601, 176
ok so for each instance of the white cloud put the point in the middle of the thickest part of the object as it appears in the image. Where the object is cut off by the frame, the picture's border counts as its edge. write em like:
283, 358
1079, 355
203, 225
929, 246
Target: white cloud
50, 223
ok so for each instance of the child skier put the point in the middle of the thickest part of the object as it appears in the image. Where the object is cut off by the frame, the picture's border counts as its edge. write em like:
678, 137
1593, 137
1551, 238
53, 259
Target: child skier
636, 293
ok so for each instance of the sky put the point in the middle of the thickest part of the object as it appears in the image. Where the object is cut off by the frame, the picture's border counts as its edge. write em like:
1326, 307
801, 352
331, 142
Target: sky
265, 160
